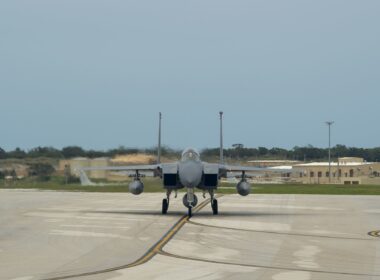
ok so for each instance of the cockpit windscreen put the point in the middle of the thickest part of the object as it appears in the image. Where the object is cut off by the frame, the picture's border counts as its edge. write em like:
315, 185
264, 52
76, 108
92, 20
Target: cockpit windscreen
190, 154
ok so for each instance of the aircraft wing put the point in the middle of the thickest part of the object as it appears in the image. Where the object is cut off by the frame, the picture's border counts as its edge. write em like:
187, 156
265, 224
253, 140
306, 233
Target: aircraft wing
151, 167
85, 181
237, 168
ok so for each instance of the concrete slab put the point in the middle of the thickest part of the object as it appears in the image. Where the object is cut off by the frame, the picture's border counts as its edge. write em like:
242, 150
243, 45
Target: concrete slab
45, 234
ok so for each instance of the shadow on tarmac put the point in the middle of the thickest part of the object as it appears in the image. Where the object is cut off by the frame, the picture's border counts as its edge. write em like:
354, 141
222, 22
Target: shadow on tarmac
201, 214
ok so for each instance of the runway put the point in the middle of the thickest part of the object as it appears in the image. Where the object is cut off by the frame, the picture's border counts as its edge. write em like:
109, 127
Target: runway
74, 235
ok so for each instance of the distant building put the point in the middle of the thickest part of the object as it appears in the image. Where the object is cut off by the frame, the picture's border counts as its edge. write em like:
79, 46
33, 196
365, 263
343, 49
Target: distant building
347, 170
20, 170
272, 163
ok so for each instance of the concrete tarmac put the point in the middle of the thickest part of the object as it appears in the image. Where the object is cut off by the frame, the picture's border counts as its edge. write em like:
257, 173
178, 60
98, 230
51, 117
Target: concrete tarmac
74, 235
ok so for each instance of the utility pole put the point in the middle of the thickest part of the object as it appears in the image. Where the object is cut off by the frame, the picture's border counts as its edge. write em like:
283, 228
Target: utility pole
159, 139
221, 138
329, 123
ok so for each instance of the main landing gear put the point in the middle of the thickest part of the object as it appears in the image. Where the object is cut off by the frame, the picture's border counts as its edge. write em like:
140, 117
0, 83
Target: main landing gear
214, 203
165, 206
165, 202
214, 206
190, 200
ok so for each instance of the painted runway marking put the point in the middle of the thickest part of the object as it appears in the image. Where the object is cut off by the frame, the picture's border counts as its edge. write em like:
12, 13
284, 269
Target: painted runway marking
158, 249
164, 253
375, 233
153, 251
306, 257
75, 233
96, 226
295, 275
278, 232
282, 207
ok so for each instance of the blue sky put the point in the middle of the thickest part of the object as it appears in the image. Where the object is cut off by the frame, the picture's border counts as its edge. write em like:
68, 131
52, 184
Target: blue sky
96, 73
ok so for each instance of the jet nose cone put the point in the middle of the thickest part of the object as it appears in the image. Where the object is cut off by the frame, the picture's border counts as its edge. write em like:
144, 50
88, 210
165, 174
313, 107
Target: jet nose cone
188, 181
190, 174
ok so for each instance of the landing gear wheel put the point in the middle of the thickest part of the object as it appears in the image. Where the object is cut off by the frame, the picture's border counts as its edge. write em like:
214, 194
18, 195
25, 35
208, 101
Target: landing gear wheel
186, 202
189, 212
214, 206
165, 206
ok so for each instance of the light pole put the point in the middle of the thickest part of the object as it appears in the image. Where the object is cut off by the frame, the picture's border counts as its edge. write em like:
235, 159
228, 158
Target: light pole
159, 138
329, 123
221, 138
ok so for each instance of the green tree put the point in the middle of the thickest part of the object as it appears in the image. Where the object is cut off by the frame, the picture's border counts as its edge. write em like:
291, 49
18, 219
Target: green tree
95, 154
263, 151
42, 171
48, 152
17, 153
3, 154
73, 151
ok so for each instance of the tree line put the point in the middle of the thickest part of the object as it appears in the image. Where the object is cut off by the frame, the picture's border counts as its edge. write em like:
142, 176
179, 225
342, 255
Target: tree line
307, 153
76, 151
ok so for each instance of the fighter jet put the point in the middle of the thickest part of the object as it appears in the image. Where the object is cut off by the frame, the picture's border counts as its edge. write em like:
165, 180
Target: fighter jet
190, 172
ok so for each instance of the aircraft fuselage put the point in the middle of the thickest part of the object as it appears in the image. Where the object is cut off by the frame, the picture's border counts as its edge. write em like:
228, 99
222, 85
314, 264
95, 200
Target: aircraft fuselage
190, 169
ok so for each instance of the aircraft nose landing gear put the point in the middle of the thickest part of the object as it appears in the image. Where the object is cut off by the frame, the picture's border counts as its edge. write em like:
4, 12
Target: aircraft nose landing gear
190, 200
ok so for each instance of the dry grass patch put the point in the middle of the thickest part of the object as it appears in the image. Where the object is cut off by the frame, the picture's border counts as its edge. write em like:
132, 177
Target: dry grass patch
134, 159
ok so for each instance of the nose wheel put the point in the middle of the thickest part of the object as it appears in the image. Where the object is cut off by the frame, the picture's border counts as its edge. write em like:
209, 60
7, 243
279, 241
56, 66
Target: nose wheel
189, 212
190, 200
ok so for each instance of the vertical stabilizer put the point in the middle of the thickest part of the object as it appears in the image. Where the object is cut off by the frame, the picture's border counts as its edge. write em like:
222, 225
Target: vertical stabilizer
159, 139
221, 137
84, 180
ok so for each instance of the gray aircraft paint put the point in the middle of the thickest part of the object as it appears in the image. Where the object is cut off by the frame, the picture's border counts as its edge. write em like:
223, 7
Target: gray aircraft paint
190, 169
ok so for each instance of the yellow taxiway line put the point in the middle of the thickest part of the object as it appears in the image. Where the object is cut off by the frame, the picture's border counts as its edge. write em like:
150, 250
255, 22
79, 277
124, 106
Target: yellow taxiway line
166, 238
153, 251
